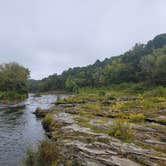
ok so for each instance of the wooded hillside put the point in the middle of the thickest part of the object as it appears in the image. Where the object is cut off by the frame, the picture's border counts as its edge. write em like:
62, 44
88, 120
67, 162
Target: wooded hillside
143, 63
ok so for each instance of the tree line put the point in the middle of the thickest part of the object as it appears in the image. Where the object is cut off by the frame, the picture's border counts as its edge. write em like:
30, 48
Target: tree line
143, 63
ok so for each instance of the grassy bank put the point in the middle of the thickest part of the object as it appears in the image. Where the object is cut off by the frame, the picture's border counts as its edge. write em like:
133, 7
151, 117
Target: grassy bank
12, 96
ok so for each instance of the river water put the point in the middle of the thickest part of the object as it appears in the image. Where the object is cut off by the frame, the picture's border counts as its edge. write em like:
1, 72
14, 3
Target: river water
20, 129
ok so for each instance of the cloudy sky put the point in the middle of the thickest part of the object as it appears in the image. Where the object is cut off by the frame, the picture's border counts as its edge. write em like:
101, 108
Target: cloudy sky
49, 36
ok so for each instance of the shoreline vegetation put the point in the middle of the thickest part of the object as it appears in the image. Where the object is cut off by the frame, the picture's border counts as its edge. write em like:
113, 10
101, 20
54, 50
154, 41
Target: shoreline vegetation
56, 92
12, 97
124, 124
13, 83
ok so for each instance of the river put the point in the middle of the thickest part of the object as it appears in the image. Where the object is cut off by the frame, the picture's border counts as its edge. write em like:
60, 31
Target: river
20, 129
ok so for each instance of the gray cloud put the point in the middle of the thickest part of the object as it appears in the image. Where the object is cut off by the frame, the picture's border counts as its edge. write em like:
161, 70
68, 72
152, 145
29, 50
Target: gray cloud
51, 36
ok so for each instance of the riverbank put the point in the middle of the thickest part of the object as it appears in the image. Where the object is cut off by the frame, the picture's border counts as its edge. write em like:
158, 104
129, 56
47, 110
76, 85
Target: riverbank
109, 127
12, 97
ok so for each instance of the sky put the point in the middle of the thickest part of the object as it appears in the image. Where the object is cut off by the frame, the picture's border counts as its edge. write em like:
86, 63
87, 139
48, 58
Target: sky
49, 36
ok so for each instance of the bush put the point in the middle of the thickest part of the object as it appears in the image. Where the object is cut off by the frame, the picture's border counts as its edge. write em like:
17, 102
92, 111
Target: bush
37, 95
159, 91
137, 117
40, 113
102, 93
46, 155
110, 97
122, 130
48, 122
93, 108
30, 159
12, 95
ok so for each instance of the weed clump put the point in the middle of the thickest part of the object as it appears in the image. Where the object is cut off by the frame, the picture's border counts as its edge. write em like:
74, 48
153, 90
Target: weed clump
47, 154
136, 117
102, 93
48, 122
40, 113
122, 130
94, 109
158, 91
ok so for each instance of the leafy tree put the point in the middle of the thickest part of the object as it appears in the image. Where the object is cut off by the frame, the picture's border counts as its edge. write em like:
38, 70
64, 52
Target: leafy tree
154, 66
71, 85
13, 77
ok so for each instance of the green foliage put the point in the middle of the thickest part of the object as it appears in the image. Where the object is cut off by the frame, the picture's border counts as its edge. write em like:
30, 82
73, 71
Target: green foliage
71, 85
12, 95
48, 122
159, 91
102, 93
153, 66
136, 117
46, 155
143, 63
13, 84
122, 130
40, 113
94, 109
79, 98
13, 77
31, 158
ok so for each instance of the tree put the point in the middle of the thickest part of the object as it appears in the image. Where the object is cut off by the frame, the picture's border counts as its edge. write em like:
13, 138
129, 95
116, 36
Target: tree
71, 85
160, 73
13, 77
154, 66
148, 67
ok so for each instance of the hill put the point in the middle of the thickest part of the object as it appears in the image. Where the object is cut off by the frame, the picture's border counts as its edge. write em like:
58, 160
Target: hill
143, 63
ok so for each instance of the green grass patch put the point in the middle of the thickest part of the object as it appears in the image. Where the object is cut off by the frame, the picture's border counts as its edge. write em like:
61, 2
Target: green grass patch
122, 130
12, 95
47, 154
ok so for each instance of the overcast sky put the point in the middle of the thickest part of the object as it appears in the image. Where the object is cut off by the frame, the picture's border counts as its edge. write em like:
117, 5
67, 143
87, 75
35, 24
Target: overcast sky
49, 36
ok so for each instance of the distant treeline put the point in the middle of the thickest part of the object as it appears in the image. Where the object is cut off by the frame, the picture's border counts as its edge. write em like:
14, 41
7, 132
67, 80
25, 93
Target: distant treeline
143, 63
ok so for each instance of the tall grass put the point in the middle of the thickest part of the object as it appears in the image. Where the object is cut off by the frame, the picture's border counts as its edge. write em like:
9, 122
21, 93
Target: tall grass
46, 155
122, 130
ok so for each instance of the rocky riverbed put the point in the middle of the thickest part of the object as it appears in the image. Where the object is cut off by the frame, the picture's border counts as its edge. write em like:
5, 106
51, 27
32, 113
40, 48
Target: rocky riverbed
85, 138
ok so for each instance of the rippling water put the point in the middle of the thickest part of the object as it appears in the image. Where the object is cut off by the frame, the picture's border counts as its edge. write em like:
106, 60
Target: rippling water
20, 130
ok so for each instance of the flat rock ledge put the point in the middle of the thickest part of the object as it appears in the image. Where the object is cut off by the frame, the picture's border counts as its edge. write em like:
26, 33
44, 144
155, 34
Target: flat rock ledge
85, 147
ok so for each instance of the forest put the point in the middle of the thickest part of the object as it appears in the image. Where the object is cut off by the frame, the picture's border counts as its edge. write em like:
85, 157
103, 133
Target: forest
143, 63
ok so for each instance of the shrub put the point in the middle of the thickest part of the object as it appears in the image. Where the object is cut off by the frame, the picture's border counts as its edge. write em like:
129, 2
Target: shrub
37, 95
110, 97
159, 91
30, 159
47, 154
136, 117
40, 113
138, 88
122, 130
102, 93
12, 95
93, 108
48, 122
